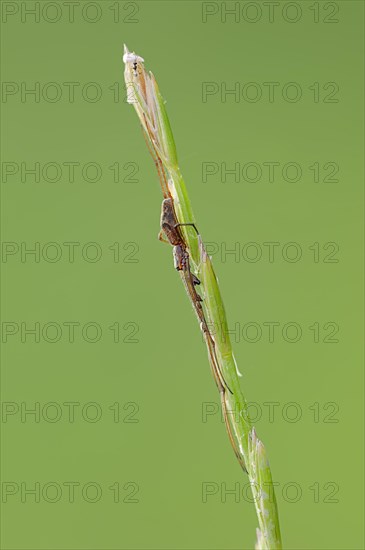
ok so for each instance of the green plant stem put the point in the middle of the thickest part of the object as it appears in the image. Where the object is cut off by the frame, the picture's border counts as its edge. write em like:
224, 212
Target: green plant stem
144, 94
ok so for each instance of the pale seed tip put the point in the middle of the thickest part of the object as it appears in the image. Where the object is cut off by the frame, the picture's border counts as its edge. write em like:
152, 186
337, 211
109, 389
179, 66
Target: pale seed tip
203, 253
236, 367
131, 57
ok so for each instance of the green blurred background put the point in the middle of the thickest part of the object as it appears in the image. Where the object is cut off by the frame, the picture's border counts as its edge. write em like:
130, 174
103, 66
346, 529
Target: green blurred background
146, 437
